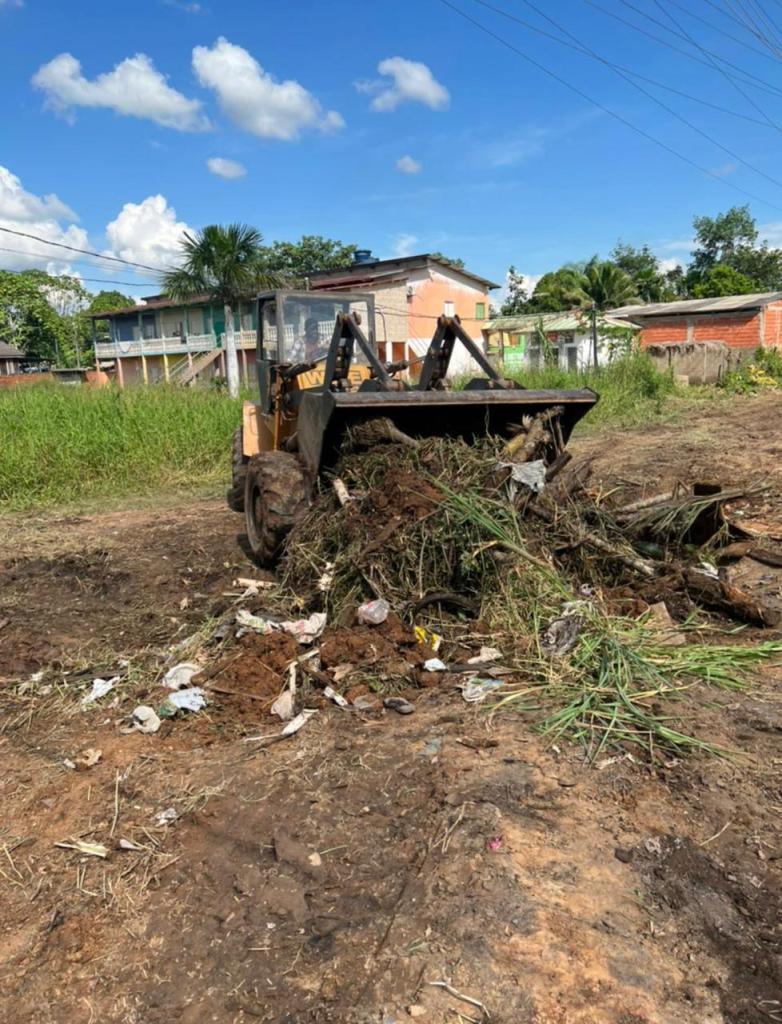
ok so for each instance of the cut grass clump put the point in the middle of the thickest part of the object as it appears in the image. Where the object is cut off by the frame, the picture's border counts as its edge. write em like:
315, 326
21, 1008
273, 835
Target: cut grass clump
62, 445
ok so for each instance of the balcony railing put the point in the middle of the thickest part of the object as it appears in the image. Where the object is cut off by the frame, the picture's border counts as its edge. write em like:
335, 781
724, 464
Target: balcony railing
174, 346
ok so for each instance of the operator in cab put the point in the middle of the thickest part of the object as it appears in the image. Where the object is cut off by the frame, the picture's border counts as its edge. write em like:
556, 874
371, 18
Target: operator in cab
310, 348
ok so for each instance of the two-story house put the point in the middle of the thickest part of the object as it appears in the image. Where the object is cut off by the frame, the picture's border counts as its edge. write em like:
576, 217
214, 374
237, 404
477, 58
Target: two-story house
162, 340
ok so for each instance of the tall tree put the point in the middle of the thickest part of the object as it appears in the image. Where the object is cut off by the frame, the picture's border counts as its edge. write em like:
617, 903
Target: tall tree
517, 301
719, 239
558, 290
604, 285
227, 263
297, 260
643, 267
29, 320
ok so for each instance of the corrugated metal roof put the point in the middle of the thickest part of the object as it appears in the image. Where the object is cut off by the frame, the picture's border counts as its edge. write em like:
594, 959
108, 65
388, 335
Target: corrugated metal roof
574, 320
9, 352
721, 304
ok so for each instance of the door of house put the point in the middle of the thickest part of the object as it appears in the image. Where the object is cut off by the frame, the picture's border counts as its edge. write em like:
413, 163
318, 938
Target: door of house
218, 325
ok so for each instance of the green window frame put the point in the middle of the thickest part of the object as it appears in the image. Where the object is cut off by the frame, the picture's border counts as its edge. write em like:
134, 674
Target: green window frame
480, 310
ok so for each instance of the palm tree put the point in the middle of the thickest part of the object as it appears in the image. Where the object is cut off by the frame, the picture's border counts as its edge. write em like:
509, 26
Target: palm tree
226, 263
604, 285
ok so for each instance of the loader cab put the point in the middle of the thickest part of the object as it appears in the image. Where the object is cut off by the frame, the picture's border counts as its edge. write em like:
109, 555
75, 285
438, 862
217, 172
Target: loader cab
298, 327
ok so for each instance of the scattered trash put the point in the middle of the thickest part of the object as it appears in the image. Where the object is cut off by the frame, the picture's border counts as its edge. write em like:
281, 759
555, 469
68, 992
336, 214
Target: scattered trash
70, 765
529, 474
88, 849
100, 687
296, 723
306, 630
178, 677
325, 581
249, 621
284, 704
561, 635
87, 759
494, 844
653, 845
331, 694
476, 690
435, 665
398, 704
192, 699
167, 817
128, 844
144, 719
372, 613
486, 654
431, 640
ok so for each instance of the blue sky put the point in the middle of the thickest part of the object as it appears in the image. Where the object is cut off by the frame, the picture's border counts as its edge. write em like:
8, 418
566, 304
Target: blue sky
400, 126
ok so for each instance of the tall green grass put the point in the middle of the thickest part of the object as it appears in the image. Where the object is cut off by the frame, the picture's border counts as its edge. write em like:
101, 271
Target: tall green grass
66, 445
632, 391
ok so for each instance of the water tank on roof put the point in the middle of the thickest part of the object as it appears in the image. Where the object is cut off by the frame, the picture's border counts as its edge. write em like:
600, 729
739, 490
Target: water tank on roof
363, 256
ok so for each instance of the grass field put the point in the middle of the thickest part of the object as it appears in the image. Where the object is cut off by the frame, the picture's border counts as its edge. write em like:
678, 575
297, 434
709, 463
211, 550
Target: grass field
72, 446
67, 445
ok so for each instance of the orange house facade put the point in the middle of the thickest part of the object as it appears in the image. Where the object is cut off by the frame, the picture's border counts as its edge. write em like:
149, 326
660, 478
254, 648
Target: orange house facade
410, 294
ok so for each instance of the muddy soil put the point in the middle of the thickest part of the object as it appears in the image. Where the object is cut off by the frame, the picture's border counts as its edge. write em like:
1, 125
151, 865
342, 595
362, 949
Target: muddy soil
336, 876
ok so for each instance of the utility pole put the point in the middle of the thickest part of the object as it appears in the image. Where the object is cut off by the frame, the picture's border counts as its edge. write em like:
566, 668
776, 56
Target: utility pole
593, 313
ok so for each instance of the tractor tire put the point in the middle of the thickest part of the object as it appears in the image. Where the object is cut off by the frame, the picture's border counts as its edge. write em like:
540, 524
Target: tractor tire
276, 496
235, 493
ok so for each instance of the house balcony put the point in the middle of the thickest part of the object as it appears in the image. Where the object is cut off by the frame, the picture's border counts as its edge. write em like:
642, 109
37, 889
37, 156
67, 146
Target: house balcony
174, 346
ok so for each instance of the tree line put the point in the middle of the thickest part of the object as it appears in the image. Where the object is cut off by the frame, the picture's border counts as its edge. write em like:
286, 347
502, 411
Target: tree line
727, 258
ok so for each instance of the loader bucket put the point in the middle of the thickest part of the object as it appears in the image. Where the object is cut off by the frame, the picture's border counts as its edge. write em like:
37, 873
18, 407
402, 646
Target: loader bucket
324, 416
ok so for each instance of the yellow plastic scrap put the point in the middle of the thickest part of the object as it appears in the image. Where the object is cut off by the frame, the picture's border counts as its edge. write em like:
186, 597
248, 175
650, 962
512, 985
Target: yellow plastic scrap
430, 640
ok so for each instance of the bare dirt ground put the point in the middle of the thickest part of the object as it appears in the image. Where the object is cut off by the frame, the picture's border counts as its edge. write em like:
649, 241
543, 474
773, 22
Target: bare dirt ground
335, 876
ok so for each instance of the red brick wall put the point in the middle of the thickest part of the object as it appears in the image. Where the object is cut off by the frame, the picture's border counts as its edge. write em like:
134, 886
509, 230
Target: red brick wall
664, 332
772, 334
741, 330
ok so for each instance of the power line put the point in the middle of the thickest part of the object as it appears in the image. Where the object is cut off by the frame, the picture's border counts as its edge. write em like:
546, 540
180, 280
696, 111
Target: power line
724, 73
758, 83
578, 47
582, 48
47, 256
618, 117
682, 33
722, 32
86, 252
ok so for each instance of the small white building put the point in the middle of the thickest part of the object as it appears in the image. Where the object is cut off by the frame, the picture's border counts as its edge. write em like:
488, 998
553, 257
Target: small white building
531, 340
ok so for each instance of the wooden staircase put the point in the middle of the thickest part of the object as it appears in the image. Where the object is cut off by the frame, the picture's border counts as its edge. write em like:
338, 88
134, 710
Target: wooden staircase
185, 374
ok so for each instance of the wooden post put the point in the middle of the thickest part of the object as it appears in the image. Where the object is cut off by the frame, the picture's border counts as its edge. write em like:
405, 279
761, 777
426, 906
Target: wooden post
144, 368
120, 377
244, 366
165, 367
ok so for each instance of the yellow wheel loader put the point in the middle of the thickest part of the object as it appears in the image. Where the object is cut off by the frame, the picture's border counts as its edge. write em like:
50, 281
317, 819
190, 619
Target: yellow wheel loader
319, 374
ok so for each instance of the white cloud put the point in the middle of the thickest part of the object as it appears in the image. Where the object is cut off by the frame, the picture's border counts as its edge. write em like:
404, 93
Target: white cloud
677, 245
45, 216
403, 244
147, 232
254, 100
11, 3
771, 233
135, 88
413, 82
224, 168
408, 165
669, 264
724, 170
187, 7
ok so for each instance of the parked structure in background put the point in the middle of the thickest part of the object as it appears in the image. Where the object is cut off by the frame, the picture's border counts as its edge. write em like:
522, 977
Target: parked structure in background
11, 360
162, 340
738, 321
532, 340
